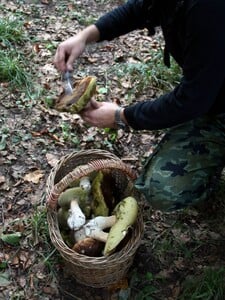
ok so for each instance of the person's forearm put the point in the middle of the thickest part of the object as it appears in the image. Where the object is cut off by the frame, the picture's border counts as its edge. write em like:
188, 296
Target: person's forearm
90, 34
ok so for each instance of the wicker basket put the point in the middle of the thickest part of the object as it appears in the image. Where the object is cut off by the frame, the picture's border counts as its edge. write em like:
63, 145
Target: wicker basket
92, 271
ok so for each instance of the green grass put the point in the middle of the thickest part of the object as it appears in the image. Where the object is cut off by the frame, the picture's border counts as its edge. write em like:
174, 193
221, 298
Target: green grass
143, 287
209, 285
13, 71
11, 32
148, 75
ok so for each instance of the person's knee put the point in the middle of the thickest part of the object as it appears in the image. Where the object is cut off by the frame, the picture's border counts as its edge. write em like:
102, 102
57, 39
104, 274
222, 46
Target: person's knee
168, 193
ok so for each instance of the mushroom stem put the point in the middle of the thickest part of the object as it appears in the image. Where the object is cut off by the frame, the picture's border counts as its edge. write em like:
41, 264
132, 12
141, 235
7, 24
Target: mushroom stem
94, 228
85, 183
76, 218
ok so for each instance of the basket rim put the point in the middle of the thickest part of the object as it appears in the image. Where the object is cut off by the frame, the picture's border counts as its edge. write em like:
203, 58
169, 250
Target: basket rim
83, 170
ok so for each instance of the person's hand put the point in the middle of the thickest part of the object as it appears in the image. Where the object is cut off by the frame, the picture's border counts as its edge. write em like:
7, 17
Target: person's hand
68, 51
100, 114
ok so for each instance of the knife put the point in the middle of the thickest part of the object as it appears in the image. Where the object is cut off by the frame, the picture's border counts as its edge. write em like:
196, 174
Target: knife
67, 83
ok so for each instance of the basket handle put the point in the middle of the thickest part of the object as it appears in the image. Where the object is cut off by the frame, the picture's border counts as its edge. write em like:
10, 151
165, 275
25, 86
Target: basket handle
84, 170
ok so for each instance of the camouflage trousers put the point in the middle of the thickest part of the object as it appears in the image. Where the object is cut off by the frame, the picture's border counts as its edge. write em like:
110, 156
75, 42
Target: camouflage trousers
180, 170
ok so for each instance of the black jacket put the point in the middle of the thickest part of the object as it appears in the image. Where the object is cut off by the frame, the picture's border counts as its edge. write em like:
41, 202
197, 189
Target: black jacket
194, 36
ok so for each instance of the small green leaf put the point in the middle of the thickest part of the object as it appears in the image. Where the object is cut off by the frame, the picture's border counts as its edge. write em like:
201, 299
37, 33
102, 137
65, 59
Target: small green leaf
11, 238
3, 143
3, 265
4, 279
103, 90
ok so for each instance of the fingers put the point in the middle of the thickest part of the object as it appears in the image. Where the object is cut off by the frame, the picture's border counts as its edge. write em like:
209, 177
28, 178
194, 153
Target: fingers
65, 56
95, 104
69, 63
60, 59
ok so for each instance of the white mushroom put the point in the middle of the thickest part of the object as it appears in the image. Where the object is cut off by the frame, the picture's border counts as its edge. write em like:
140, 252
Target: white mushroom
85, 183
94, 228
76, 218
126, 213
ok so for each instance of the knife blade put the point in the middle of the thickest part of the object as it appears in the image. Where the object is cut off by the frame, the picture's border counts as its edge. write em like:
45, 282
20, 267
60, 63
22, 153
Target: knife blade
67, 83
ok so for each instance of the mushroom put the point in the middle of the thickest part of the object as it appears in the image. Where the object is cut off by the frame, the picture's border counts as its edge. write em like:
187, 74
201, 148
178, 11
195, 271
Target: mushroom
89, 247
76, 217
70, 201
94, 228
83, 90
126, 213
62, 215
99, 206
85, 183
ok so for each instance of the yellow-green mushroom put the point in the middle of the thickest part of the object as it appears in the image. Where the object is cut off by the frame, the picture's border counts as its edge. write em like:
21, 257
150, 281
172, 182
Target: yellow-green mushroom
126, 213
99, 206
82, 92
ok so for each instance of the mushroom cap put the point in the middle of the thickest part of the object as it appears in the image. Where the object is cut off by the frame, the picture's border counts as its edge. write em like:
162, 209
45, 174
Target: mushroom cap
126, 213
83, 90
89, 247
99, 206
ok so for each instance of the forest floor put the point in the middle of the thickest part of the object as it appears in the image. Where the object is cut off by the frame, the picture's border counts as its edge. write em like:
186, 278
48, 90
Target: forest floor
178, 249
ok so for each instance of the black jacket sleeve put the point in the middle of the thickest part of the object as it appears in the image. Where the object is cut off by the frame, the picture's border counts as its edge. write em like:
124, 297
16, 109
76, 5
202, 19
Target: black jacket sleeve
203, 61
125, 18
203, 72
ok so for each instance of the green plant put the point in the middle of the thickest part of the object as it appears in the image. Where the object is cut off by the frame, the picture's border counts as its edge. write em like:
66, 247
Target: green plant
145, 75
143, 286
40, 233
209, 285
13, 71
67, 133
11, 31
82, 18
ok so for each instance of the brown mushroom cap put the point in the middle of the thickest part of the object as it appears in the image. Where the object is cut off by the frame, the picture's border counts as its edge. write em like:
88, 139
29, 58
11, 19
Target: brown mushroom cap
89, 247
83, 90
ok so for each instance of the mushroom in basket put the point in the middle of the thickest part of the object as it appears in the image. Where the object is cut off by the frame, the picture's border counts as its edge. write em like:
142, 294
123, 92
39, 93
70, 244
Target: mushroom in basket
124, 216
74, 205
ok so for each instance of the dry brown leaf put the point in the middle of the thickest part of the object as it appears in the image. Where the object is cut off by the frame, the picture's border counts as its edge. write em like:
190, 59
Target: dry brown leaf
34, 176
2, 179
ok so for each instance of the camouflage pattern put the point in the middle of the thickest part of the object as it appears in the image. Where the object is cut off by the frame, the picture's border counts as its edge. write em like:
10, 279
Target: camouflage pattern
180, 170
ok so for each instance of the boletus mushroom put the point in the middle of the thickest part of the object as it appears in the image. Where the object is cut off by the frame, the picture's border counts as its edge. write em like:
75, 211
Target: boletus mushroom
125, 215
99, 206
82, 92
73, 204
89, 246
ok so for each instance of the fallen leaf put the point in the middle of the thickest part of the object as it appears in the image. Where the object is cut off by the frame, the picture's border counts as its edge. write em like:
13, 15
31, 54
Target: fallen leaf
4, 279
2, 179
22, 281
34, 176
11, 238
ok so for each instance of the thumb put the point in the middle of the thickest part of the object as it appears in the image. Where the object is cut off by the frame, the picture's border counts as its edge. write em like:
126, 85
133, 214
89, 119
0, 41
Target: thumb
95, 104
69, 63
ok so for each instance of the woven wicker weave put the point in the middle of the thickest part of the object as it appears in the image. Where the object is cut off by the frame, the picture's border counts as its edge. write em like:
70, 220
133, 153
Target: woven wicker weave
92, 271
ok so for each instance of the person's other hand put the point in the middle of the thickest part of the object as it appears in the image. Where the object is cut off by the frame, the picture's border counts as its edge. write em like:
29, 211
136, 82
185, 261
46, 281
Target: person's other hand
67, 52
100, 114
72, 48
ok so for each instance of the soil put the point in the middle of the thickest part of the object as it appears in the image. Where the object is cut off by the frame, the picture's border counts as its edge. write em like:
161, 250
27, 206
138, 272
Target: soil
175, 246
